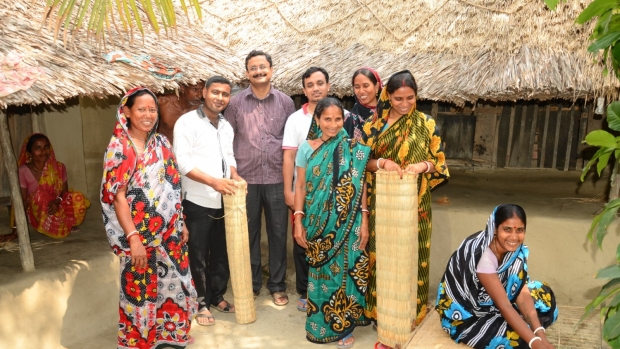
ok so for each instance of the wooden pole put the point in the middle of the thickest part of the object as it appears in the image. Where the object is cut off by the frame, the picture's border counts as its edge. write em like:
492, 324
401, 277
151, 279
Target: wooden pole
530, 148
569, 144
544, 139
10, 163
556, 141
498, 119
513, 109
519, 156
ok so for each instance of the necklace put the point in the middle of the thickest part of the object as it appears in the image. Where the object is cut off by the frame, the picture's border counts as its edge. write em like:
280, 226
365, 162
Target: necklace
494, 250
36, 170
324, 140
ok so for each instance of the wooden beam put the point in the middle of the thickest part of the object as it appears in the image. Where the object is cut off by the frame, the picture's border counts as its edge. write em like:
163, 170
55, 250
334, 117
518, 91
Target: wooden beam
513, 109
25, 250
519, 151
583, 128
498, 119
569, 142
530, 148
434, 109
544, 140
556, 141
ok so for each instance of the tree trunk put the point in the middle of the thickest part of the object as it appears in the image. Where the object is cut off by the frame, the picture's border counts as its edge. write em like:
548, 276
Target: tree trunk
615, 182
25, 250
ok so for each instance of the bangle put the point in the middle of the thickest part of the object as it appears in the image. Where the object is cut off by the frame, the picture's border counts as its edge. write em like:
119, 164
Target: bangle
299, 212
365, 210
532, 341
379, 162
59, 198
428, 167
131, 234
538, 329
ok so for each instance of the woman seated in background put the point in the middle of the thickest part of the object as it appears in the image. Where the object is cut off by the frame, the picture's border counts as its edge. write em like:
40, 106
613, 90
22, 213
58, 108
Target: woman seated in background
331, 223
51, 208
485, 298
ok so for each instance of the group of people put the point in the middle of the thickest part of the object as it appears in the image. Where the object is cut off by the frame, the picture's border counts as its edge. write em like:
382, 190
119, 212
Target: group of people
162, 209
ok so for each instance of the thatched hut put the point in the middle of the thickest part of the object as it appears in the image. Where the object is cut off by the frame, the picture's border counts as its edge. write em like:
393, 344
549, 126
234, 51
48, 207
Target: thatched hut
490, 59
69, 91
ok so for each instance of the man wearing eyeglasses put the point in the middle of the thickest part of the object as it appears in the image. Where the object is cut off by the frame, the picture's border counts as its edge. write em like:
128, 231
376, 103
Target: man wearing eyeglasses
258, 115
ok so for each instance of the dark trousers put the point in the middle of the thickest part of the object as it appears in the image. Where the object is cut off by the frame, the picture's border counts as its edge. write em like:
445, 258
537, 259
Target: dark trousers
270, 198
208, 259
301, 266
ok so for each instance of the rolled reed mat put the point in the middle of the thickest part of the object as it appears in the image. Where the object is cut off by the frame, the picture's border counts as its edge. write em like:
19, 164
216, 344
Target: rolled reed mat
238, 247
396, 231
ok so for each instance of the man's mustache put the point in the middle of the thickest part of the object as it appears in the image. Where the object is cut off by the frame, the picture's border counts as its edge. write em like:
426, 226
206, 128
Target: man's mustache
255, 76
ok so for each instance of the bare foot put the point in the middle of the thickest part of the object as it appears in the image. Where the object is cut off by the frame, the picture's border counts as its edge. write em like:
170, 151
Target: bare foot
346, 342
75, 229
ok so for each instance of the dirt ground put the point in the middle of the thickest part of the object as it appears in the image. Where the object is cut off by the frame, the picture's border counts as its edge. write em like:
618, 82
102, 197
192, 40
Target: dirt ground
552, 199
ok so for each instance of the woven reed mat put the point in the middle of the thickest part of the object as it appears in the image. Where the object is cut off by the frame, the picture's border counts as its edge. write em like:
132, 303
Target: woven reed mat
238, 247
429, 334
396, 227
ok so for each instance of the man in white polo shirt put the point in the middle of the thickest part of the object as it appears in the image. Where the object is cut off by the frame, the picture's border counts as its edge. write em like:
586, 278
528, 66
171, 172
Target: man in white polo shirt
315, 83
203, 144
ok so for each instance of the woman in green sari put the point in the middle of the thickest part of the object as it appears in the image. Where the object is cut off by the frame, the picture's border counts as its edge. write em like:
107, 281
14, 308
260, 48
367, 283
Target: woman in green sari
403, 139
331, 223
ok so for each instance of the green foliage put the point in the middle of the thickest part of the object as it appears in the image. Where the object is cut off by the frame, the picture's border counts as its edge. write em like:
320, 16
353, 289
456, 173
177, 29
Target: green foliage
609, 145
100, 16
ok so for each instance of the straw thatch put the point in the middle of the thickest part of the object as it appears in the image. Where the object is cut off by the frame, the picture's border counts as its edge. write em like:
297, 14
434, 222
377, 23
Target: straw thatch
238, 247
80, 70
396, 227
459, 50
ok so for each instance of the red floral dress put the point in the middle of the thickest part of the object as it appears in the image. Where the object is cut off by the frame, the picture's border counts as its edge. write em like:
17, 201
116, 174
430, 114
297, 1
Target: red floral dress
157, 303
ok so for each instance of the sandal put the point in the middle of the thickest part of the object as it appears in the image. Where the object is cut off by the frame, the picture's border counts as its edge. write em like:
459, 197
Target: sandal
302, 304
191, 340
280, 298
205, 316
345, 346
229, 308
256, 294
378, 345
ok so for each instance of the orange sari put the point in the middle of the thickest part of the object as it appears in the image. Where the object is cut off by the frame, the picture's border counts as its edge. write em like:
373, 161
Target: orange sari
72, 209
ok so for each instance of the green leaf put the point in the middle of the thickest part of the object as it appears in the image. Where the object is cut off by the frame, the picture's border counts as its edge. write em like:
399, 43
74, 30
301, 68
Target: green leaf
604, 42
611, 329
614, 302
602, 139
609, 289
552, 4
611, 272
595, 157
596, 8
594, 224
613, 114
602, 162
608, 216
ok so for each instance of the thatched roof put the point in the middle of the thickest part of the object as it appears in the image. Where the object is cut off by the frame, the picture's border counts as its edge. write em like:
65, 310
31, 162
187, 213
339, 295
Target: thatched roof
459, 50
81, 70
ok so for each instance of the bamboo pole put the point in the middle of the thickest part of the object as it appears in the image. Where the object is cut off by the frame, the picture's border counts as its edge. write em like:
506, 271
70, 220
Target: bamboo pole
25, 251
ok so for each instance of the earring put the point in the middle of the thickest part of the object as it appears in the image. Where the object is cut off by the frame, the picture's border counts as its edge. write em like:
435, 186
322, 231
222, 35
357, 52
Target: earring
29, 160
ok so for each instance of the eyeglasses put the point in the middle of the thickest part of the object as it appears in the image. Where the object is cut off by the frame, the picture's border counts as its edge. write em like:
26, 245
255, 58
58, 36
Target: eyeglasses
260, 67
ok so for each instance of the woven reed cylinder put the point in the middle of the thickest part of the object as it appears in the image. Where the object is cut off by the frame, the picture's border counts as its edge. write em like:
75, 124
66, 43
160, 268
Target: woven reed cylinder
396, 227
238, 247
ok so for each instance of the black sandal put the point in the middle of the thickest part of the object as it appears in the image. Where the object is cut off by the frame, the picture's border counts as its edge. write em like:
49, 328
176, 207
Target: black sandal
226, 309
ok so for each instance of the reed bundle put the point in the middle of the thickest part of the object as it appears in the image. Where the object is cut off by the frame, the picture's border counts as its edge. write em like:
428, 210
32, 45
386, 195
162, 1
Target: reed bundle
396, 227
238, 247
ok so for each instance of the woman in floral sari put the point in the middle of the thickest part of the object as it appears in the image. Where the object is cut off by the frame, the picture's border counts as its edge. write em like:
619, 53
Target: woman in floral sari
485, 298
403, 139
141, 204
51, 207
330, 205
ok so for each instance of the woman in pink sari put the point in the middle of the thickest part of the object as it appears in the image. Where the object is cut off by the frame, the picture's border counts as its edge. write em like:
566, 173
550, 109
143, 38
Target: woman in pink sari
51, 207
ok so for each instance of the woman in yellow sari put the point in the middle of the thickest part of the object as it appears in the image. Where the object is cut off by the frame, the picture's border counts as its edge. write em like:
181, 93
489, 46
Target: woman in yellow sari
51, 207
403, 139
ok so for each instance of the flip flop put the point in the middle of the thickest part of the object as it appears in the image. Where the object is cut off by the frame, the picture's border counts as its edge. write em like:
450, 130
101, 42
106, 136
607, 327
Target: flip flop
191, 340
345, 346
208, 317
302, 304
226, 309
280, 298
378, 345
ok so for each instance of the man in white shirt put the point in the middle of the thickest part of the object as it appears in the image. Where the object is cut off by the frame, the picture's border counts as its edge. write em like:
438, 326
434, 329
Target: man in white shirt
315, 83
203, 144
